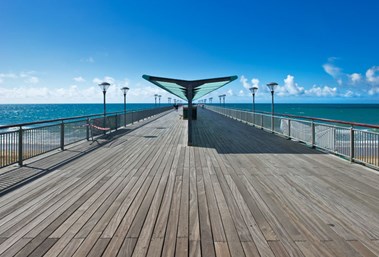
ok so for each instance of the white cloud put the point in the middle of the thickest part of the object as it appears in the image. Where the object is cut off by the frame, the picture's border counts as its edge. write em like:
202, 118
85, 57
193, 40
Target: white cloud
31, 80
244, 82
332, 59
372, 76
146, 91
8, 75
289, 87
321, 91
108, 79
230, 92
332, 70
355, 78
79, 79
29, 77
255, 82
373, 91
241, 93
247, 85
350, 93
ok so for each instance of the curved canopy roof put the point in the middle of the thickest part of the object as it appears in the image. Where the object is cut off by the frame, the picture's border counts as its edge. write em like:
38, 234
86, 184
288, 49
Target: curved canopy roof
180, 87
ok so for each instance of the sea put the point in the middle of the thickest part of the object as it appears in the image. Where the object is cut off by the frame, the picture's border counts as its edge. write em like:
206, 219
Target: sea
22, 113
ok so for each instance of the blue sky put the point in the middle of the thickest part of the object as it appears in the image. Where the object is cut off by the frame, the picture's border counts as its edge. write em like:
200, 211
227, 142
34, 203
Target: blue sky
318, 51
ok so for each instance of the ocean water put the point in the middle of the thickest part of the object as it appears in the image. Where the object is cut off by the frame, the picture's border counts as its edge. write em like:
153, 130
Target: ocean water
21, 113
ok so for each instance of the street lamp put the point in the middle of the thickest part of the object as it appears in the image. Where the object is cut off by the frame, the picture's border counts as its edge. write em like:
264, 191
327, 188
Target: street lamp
169, 100
253, 90
220, 96
224, 99
155, 96
271, 86
104, 86
210, 100
159, 96
125, 91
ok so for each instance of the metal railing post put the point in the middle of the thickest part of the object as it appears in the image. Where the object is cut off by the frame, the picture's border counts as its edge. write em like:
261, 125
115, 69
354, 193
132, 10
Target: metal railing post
132, 118
351, 144
87, 130
20, 144
116, 121
313, 135
62, 135
289, 128
262, 121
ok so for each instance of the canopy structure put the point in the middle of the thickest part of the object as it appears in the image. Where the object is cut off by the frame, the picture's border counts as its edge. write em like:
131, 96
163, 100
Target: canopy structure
189, 90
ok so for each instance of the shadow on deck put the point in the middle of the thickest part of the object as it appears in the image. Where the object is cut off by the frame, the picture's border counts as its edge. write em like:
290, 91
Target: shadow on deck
213, 130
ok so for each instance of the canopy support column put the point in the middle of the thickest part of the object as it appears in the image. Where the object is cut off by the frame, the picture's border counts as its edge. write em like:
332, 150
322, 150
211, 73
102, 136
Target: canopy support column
190, 97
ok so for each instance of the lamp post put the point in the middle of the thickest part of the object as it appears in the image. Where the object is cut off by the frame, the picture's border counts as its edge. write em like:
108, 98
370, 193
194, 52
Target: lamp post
159, 97
253, 90
210, 100
155, 97
124, 91
169, 100
271, 86
104, 86
220, 96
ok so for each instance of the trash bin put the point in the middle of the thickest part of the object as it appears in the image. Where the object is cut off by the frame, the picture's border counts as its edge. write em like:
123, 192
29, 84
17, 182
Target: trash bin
185, 112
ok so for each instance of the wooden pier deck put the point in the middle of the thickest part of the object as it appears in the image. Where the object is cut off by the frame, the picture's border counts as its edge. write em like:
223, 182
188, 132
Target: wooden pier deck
238, 191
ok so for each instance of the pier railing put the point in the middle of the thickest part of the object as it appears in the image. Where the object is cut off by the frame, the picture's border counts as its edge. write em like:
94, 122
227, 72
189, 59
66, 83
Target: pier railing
355, 141
19, 142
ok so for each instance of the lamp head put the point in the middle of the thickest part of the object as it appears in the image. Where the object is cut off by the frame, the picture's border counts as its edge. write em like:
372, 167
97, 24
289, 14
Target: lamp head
253, 90
125, 90
104, 86
271, 86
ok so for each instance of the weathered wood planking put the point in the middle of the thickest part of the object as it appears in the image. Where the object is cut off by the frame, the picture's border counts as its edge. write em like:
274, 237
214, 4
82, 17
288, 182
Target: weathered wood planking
238, 191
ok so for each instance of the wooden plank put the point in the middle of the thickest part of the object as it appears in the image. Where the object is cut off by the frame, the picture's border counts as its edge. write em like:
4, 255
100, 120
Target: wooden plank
362, 249
222, 249
231, 233
99, 247
127, 247
184, 204
218, 232
173, 220
181, 247
19, 244
44, 247
278, 249
71, 248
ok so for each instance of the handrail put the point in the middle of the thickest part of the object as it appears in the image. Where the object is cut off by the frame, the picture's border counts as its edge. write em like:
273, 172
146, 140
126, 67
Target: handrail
355, 124
69, 118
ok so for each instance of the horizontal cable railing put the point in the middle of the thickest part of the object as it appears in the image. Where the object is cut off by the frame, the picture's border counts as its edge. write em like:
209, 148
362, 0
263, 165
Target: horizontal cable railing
355, 141
19, 142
